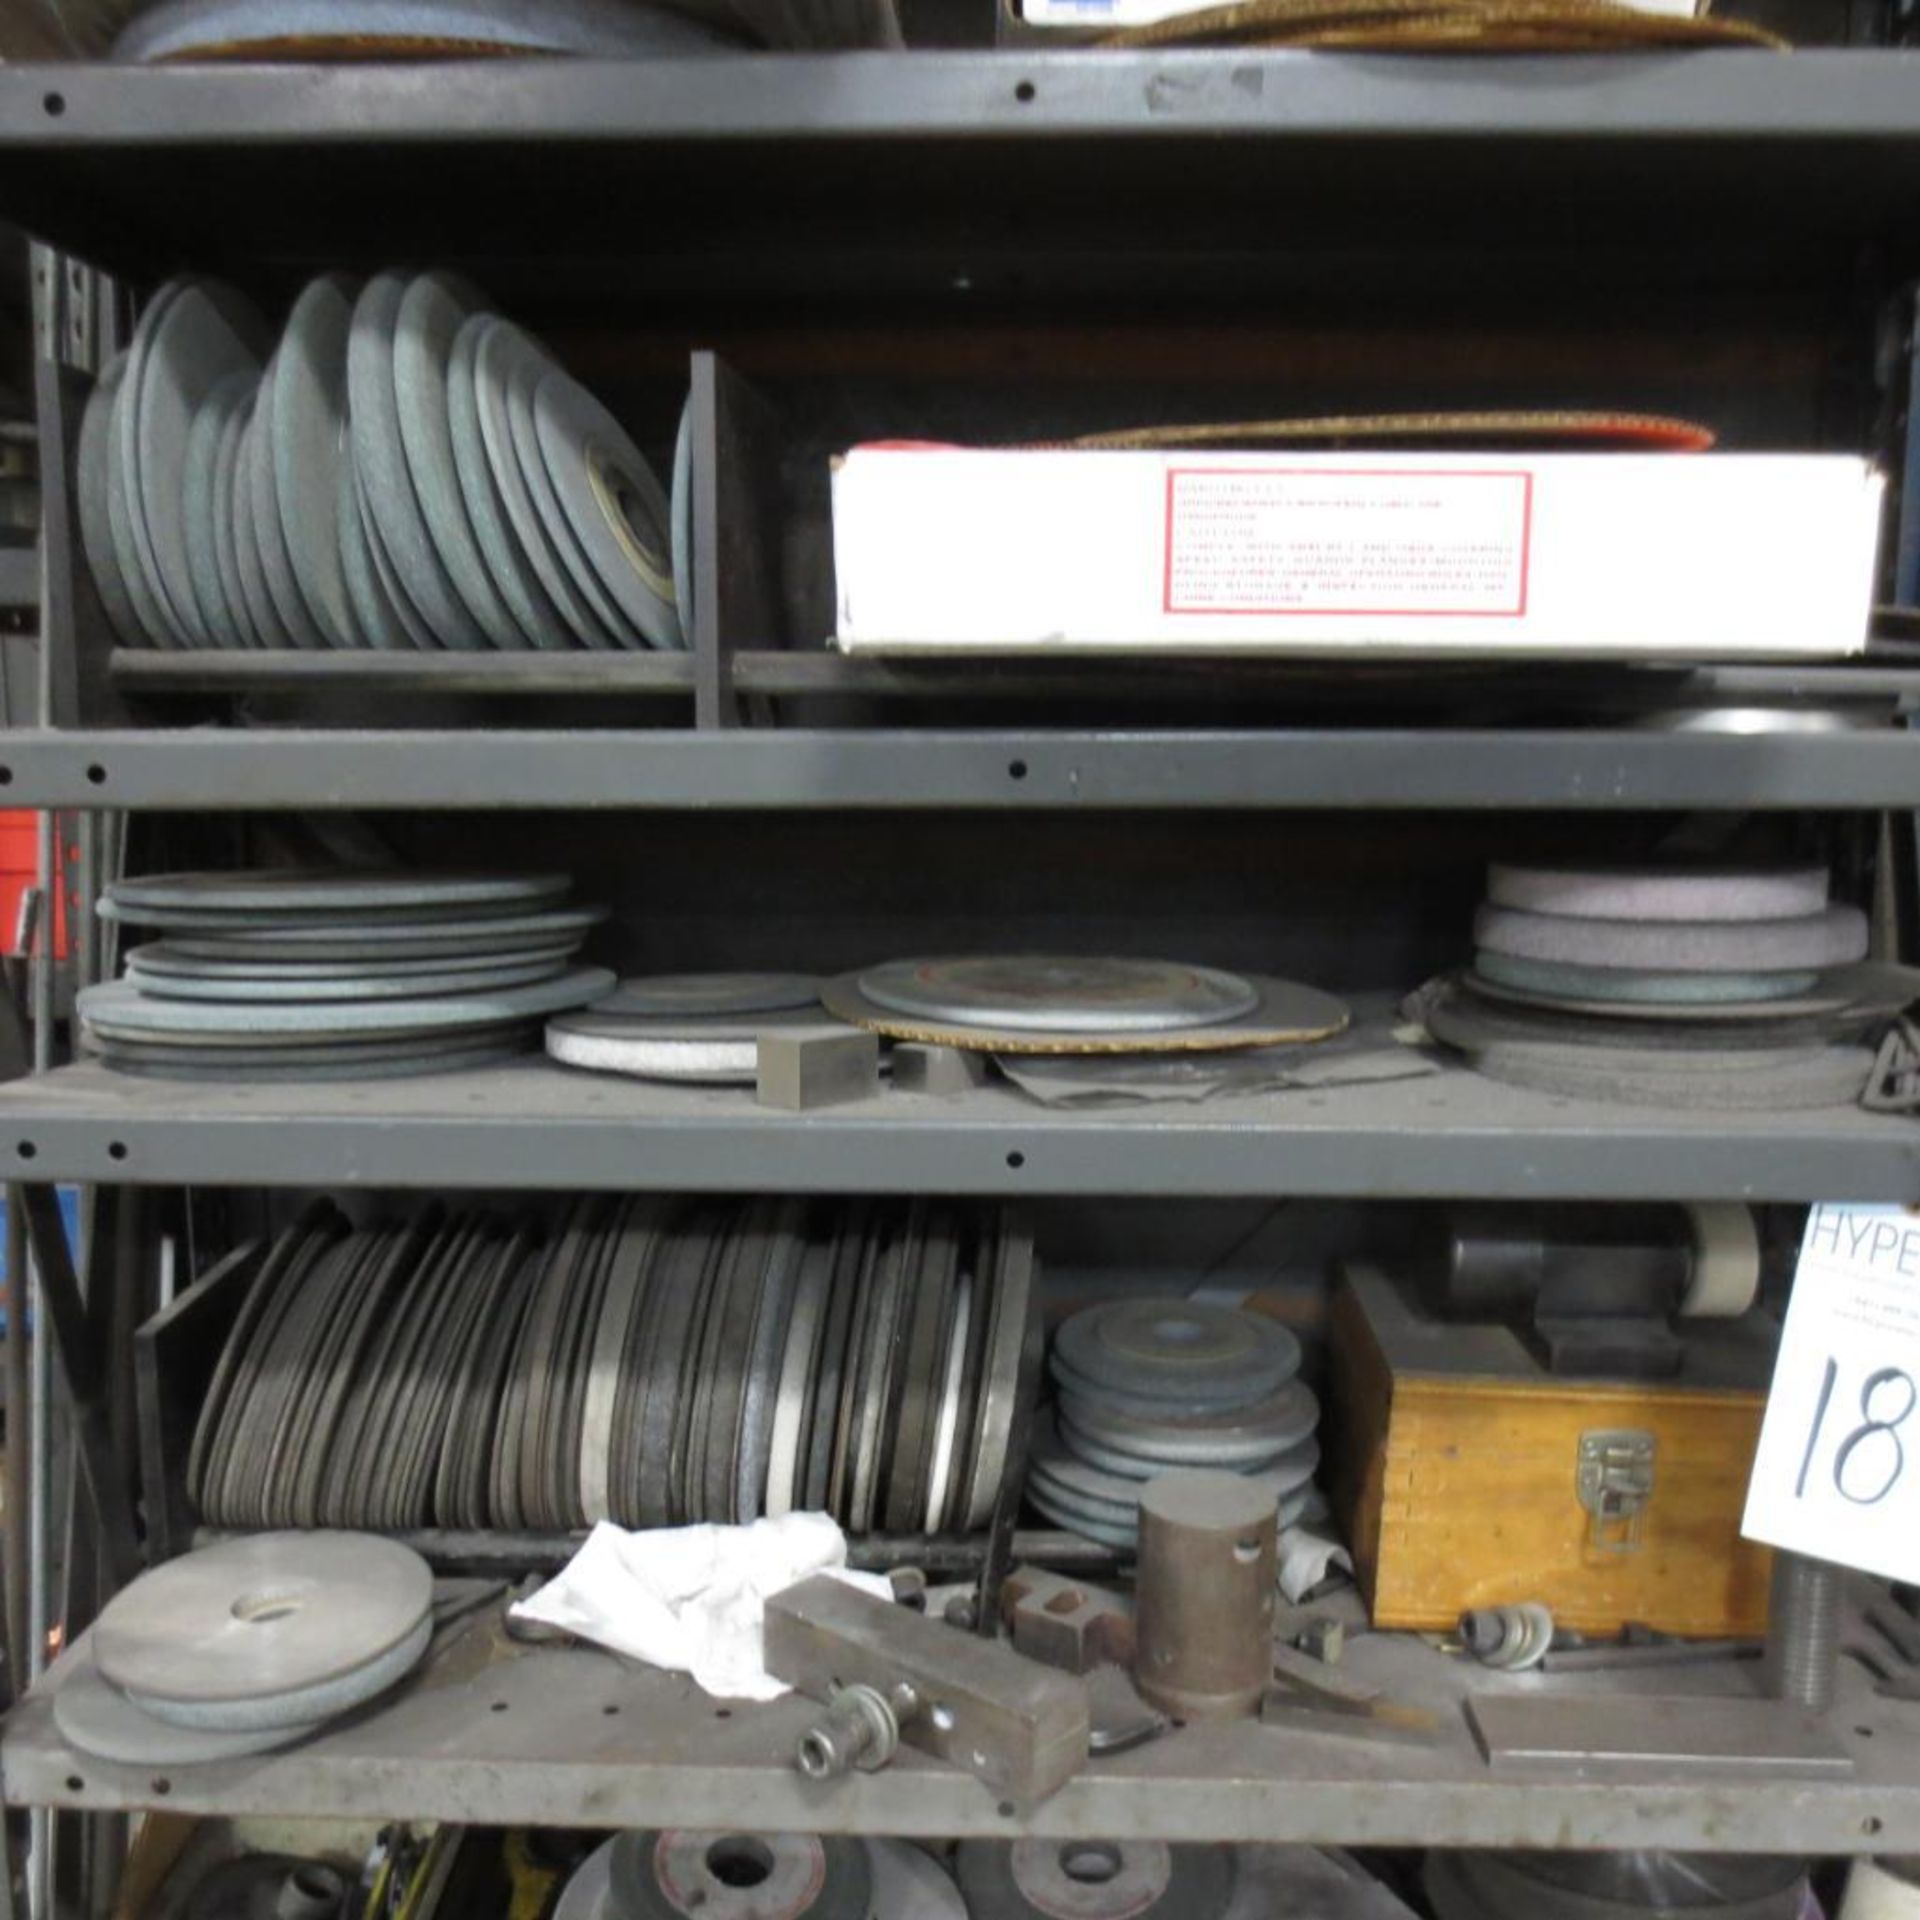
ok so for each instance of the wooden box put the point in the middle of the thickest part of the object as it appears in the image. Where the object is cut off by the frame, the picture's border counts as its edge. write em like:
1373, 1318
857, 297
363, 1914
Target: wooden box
1457, 1465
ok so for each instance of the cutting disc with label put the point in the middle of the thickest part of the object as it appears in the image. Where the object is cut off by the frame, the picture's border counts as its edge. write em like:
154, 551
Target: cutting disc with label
725, 1876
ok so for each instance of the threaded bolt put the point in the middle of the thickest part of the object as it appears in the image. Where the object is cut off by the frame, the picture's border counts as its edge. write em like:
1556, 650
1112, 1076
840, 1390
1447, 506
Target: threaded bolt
1803, 1631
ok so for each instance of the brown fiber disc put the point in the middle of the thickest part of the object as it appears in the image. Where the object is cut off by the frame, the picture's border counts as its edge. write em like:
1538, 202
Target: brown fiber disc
1536, 431
1483, 26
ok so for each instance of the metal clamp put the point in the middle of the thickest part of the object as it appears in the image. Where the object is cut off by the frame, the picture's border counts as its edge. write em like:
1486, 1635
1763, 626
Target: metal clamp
1613, 1476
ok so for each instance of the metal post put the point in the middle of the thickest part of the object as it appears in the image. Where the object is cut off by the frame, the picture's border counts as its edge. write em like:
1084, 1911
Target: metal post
1803, 1631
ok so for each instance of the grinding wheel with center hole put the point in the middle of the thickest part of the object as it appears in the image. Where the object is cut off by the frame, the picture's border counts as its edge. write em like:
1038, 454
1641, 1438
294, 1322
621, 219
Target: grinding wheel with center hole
613, 503
724, 1876
262, 1616
503, 352
160, 960
1284, 1014
675, 997
686, 1290
876, 1386
375, 615
565, 1456
1738, 893
1233, 1437
205, 333
396, 525
221, 623
1600, 1019
883, 1224
513, 573
131, 627
1094, 1880
465, 1491
953, 1406
1657, 1032
1183, 1350
1830, 938
1015, 1305
982, 1265
1287, 1467
431, 314
96, 1718
306, 401
729, 1353
1560, 981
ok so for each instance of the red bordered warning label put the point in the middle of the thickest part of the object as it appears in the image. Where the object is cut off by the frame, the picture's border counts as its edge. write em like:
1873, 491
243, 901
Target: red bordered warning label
1438, 544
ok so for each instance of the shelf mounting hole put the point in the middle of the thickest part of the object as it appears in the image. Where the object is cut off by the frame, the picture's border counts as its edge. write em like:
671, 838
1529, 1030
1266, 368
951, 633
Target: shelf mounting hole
6, 776
499, 1706
1016, 1160
96, 774
55, 104
116, 1149
1872, 1824
1016, 769
75, 1784
26, 1150
161, 1784
1026, 93
1007, 1809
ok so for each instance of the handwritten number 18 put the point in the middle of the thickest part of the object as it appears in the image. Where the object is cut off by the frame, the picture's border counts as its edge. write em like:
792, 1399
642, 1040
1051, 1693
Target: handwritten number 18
1873, 1432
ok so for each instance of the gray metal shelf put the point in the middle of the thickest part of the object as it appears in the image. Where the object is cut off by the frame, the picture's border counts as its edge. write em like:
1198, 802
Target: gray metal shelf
534, 1125
1577, 768
496, 1734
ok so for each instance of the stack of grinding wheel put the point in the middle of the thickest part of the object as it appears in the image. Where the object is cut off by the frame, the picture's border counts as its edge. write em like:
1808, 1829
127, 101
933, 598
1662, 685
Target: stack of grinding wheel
758, 1876
1614, 1886
246, 1646
404, 469
297, 975
1730, 987
1146, 1387
700, 1028
654, 1362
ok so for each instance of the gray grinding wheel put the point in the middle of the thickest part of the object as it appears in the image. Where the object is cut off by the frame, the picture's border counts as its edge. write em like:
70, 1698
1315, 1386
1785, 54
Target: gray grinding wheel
394, 517
503, 356
1644, 986
1186, 1351
431, 314
92, 486
226, 554
1047, 993
261, 1616
1235, 1437
162, 959
271, 538
375, 617
1673, 892
1094, 1880
95, 1718
1828, 939
344, 939
613, 504
233, 987
708, 996
205, 333
126, 530
271, 892
263, 615
307, 432
221, 623
513, 572
395, 593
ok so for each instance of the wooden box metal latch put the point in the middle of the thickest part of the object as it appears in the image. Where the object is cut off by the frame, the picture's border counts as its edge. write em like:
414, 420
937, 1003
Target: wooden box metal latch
1613, 1477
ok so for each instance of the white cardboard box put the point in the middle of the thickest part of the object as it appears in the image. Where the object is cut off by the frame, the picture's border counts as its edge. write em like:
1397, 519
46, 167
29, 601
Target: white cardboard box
953, 550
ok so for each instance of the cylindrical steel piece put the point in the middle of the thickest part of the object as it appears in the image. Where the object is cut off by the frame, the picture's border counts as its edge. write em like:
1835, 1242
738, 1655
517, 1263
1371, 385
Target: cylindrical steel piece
1204, 1600
1803, 1631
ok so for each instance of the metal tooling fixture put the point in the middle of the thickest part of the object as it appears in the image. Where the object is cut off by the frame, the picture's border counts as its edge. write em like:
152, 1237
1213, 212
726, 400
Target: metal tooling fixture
887, 1674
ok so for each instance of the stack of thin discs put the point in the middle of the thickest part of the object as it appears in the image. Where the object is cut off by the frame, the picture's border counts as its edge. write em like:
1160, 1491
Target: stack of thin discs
403, 469
655, 1362
740, 1875
701, 1028
298, 974
246, 1646
1729, 987
1146, 1387
1639, 1885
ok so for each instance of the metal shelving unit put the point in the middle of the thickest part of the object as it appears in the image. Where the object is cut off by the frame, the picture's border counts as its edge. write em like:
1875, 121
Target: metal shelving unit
862, 189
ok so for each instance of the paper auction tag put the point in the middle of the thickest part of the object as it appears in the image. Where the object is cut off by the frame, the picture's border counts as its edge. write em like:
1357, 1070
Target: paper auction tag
1837, 1474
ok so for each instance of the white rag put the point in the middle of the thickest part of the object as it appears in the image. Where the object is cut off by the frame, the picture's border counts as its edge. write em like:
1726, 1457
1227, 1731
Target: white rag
692, 1599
